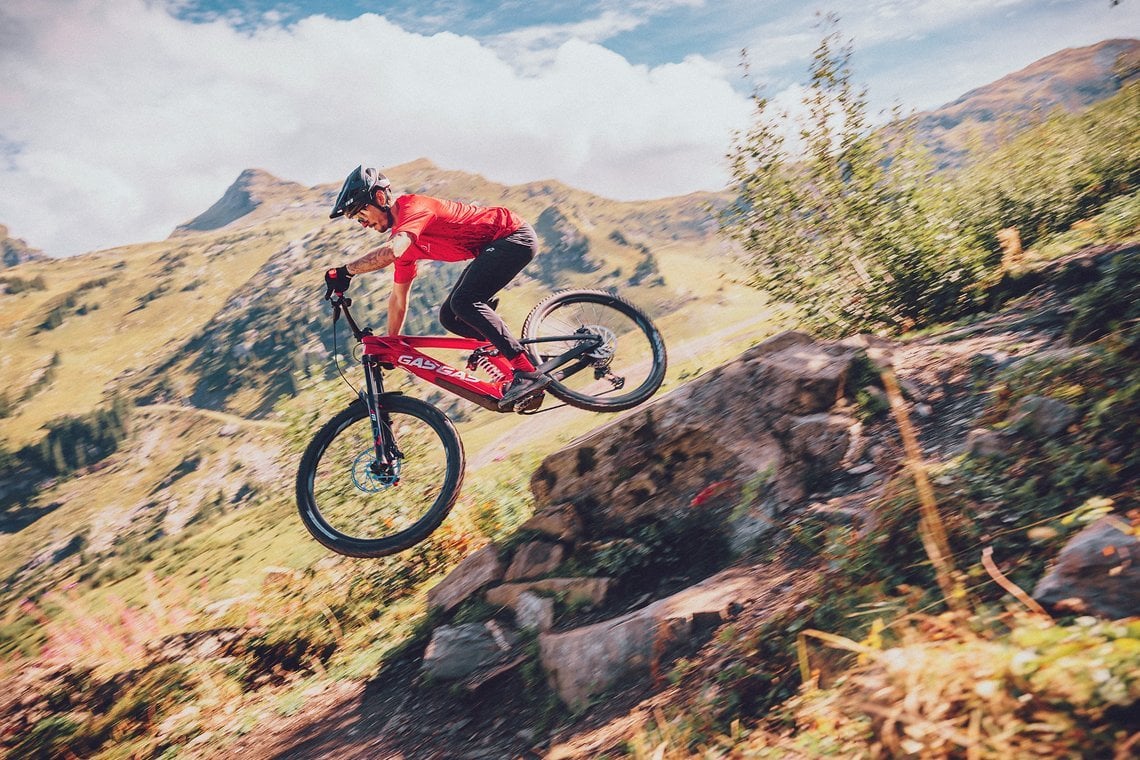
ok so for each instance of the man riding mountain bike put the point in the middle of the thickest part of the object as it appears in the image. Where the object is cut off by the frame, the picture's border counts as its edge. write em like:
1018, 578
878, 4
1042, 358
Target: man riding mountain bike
496, 241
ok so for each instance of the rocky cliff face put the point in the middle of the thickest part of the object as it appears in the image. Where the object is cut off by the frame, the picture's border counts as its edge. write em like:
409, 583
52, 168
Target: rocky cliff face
670, 493
14, 251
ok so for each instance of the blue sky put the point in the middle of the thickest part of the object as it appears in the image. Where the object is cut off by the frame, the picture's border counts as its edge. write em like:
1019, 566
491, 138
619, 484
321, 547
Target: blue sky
139, 113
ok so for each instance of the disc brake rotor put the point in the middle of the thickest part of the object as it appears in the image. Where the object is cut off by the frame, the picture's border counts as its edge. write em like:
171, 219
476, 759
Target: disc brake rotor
605, 351
370, 476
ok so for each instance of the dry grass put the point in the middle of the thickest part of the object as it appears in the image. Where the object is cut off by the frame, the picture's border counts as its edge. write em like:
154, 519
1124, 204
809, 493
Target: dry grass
948, 691
115, 637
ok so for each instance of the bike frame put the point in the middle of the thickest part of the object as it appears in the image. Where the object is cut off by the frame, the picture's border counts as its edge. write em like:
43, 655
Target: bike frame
403, 351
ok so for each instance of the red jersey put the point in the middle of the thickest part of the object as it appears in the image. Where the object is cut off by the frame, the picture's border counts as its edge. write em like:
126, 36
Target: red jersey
444, 230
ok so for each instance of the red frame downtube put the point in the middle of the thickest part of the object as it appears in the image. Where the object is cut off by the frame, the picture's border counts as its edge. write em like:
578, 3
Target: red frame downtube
403, 351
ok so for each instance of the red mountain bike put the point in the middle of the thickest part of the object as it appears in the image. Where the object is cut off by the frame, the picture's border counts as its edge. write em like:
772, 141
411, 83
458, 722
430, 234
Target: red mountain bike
382, 474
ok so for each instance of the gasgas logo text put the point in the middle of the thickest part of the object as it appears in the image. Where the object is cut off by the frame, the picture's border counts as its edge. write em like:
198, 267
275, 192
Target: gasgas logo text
443, 369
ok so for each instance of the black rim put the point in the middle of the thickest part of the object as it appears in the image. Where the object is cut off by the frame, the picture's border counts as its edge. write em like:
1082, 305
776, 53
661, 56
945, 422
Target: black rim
628, 367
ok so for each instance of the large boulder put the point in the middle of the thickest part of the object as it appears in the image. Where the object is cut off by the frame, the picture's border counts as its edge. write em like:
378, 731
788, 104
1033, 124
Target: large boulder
585, 661
766, 412
733, 449
1097, 572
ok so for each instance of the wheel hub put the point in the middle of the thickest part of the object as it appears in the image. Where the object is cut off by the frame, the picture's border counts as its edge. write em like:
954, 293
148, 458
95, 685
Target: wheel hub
604, 352
370, 476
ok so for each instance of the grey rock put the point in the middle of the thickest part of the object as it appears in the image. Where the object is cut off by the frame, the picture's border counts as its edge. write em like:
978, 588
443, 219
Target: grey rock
534, 559
983, 442
475, 571
456, 651
587, 660
560, 522
1097, 572
815, 444
534, 612
1041, 415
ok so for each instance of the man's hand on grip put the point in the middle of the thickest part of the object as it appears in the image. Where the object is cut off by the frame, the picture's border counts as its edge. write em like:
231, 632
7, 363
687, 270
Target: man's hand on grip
336, 281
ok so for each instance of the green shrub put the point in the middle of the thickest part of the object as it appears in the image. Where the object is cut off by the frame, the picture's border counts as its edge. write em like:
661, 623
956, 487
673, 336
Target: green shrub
75, 442
857, 231
1057, 173
50, 738
854, 230
1111, 303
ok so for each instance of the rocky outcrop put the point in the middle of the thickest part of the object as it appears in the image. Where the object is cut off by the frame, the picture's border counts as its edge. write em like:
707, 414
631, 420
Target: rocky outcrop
758, 417
725, 455
15, 251
741, 452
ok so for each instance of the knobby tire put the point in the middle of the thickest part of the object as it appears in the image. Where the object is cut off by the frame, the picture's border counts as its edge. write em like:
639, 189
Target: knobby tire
330, 498
639, 349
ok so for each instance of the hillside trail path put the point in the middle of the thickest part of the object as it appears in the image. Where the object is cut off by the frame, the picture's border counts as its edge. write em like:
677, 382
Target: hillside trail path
225, 417
398, 716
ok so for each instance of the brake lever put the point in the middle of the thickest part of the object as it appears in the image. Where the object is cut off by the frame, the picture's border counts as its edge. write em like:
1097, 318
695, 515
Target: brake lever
338, 302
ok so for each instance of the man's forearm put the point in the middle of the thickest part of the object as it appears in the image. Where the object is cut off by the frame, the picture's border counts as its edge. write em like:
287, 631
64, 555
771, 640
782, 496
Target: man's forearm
373, 260
397, 312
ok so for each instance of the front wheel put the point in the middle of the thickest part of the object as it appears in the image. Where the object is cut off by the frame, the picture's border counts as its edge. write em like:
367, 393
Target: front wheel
626, 364
356, 505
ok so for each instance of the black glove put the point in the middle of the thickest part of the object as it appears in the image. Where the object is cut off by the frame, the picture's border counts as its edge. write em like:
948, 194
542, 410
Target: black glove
336, 281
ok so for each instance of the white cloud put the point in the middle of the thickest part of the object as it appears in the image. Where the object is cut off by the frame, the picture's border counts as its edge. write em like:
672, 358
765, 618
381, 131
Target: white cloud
119, 122
130, 121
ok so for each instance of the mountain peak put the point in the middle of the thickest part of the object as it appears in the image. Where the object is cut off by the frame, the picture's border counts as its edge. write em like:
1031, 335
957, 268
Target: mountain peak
249, 192
1071, 79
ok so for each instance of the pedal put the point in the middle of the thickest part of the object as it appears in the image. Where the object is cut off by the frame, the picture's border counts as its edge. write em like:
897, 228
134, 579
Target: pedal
531, 403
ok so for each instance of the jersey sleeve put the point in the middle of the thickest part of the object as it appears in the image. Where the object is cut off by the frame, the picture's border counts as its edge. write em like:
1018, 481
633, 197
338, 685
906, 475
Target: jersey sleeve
414, 215
404, 269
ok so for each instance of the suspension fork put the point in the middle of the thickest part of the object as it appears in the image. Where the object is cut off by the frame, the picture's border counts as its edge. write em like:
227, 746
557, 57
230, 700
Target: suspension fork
373, 395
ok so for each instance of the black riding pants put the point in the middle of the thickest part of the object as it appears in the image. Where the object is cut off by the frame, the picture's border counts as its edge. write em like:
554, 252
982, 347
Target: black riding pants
466, 311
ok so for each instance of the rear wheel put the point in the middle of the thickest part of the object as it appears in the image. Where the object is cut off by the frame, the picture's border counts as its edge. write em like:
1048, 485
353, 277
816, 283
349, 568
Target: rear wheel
626, 367
359, 507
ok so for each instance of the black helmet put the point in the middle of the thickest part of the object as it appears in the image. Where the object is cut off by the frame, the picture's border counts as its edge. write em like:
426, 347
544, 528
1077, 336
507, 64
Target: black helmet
359, 189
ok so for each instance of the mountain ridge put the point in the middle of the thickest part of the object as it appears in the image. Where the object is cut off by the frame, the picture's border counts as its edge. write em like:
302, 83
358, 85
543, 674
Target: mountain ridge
253, 189
1070, 79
